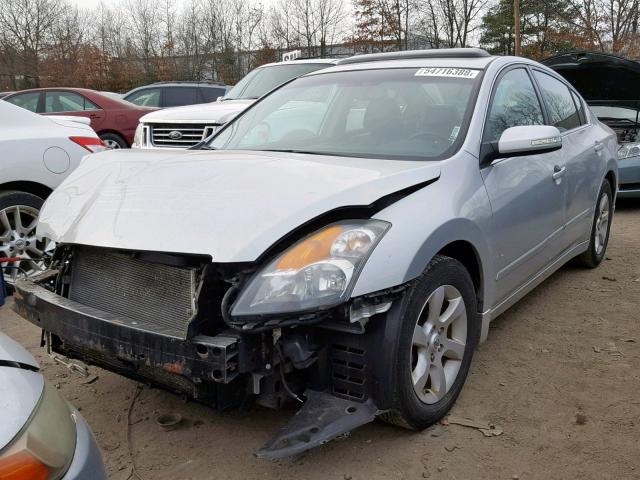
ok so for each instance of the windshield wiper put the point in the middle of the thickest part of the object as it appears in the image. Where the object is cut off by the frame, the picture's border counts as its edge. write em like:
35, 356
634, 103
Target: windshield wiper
307, 152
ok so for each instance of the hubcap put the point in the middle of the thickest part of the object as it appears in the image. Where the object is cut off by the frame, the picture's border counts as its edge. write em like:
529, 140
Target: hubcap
111, 144
602, 224
438, 345
18, 239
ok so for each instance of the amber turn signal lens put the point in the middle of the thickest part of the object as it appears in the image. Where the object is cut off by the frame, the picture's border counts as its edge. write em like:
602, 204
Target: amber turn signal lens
22, 466
312, 250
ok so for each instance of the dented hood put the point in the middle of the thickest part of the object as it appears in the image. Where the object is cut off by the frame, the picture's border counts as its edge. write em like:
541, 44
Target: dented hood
231, 205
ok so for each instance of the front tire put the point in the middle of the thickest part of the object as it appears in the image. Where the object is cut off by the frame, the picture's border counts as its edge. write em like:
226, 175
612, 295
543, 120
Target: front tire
600, 229
439, 333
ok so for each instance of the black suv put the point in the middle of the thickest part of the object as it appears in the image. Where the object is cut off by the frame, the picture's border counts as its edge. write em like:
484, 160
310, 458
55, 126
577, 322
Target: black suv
175, 94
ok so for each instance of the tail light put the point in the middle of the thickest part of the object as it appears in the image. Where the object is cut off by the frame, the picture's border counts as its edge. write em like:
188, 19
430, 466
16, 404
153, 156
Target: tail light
92, 144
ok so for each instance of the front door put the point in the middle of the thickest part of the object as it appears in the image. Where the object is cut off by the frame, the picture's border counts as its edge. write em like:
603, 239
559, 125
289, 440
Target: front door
528, 194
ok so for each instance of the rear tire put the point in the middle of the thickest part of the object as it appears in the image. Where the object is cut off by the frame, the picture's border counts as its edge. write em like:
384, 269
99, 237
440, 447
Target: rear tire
439, 333
113, 140
600, 229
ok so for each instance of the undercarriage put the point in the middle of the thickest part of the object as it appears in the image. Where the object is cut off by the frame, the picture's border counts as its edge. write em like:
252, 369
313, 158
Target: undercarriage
163, 319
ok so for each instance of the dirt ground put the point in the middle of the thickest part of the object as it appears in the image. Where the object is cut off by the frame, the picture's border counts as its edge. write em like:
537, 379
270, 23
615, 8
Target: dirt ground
560, 374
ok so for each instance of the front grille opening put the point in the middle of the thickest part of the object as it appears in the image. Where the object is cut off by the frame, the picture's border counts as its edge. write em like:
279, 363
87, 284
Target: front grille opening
162, 293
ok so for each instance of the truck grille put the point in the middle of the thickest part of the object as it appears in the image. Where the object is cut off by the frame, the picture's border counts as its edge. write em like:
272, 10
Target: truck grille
179, 135
161, 298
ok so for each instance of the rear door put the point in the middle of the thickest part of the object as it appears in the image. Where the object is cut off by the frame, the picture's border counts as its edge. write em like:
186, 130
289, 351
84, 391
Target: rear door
60, 102
526, 200
582, 150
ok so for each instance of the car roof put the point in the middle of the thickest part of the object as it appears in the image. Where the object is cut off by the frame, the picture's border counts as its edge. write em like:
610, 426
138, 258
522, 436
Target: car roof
317, 61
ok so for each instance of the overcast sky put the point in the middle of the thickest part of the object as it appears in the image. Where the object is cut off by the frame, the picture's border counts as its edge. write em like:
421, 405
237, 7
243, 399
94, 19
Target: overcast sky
95, 3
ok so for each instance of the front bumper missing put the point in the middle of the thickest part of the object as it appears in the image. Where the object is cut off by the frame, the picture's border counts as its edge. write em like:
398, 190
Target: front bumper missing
125, 346
201, 367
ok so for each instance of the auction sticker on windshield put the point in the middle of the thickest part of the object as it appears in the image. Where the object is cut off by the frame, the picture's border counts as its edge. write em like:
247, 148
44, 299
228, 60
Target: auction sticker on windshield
447, 72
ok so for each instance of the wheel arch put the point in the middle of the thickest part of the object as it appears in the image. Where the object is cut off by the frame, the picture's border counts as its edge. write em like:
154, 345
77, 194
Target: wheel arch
33, 188
613, 181
464, 252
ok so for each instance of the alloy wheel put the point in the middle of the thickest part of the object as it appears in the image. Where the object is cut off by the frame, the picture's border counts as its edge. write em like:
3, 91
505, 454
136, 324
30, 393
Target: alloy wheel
602, 224
438, 344
111, 144
18, 239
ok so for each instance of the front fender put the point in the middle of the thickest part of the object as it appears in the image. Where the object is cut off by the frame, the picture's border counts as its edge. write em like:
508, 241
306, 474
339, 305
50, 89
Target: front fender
455, 208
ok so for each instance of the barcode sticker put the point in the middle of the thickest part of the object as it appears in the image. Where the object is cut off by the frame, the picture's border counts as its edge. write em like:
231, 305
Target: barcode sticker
447, 72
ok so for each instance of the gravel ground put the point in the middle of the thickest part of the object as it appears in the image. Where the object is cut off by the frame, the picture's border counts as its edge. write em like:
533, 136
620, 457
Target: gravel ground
559, 374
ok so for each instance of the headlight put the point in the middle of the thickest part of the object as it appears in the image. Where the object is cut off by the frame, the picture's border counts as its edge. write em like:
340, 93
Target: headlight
628, 150
45, 448
138, 137
316, 272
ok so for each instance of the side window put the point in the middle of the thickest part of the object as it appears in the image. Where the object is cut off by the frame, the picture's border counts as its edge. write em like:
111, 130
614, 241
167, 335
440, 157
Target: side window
557, 98
55, 102
149, 97
514, 104
579, 104
178, 96
28, 101
211, 94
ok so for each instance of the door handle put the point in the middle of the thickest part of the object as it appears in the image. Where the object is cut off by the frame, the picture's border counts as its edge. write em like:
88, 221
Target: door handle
598, 146
558, 172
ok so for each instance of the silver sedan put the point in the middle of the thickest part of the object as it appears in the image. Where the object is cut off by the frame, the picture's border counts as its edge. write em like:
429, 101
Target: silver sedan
345, 242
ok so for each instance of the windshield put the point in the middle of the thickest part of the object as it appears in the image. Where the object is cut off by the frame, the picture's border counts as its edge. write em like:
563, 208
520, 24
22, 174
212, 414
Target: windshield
262, 80
415, 114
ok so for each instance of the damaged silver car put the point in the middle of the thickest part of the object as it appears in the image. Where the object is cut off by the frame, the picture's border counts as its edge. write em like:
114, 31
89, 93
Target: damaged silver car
343, 244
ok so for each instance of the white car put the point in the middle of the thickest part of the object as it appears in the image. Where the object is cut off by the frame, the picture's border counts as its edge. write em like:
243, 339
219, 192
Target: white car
37, 154
184, 127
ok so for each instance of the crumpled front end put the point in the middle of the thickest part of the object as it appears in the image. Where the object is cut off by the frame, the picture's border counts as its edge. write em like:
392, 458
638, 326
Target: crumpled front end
159, 318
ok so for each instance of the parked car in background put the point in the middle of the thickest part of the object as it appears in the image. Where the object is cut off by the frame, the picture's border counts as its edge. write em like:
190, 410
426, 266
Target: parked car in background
38, 152
42, 437
610, 85
345, 242
176, 94
113, 119
184, 127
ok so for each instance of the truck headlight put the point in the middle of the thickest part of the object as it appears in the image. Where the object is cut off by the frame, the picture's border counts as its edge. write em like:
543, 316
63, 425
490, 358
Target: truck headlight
138, 137
318, 271
45, 448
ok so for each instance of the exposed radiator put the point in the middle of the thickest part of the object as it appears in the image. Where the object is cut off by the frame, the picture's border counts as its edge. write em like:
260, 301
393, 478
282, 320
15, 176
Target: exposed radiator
160, 297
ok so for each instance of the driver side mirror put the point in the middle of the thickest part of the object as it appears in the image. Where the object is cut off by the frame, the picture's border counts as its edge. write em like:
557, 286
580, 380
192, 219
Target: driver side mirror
523, 140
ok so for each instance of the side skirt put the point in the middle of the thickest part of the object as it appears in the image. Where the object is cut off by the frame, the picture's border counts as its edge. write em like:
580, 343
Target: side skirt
489, 315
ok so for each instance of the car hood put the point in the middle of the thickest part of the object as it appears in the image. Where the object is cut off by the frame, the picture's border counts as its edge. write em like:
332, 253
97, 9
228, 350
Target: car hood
12, 351
231, 205
214, 112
